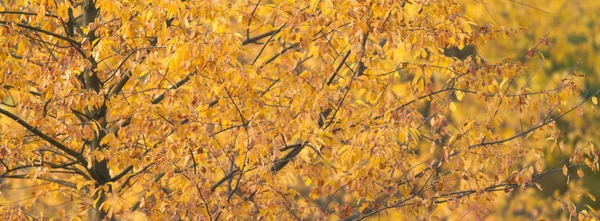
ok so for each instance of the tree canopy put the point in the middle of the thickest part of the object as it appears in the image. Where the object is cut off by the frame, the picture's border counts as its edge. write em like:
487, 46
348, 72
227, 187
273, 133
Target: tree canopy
288, 109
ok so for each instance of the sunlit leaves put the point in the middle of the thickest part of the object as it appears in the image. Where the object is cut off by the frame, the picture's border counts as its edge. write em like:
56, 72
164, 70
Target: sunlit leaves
278, 109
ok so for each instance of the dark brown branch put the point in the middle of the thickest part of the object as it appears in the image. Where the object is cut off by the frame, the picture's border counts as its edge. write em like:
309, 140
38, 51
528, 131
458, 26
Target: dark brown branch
27, 13
53, 166
339, 67
280, 163
530, 6
158, 177
193, 161
437, 163
222, 180
398, 204
45, 137
120, 175
359, 71
443, 198
316, 36
282, 52
119, 86
262, 49
72, 41
261, 36
61, 182
177, 85
250, 20
244, 121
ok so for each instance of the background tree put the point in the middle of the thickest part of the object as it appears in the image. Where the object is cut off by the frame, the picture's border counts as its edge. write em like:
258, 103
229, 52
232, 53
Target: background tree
568, 27
275, 109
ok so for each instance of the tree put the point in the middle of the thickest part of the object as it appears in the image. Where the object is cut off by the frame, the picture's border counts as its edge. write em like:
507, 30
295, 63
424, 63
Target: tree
273, 109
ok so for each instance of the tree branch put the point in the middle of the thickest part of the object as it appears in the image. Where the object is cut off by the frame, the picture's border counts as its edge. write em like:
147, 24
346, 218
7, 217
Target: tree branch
45, 137
177, 85
72, 41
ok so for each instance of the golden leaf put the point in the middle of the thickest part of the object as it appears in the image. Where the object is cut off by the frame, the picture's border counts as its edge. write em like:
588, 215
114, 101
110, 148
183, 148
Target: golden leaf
452, 107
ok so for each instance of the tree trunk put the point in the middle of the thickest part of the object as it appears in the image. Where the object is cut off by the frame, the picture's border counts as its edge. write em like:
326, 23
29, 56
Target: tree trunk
101, 175
96, 213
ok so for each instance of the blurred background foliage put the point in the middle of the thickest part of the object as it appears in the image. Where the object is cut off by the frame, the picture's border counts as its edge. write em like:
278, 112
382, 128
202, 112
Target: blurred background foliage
572, 28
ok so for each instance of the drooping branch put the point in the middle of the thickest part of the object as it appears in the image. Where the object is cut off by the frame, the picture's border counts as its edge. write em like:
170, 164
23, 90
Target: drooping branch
126, 182
261, 36
53, 166
57, 181
262, 49
280, 163
359, 71
45, 137
250, 20
222, 180
339, 67
27, 13
438, 162
177, 85
119, 86
72, 41
443, 198
121, 174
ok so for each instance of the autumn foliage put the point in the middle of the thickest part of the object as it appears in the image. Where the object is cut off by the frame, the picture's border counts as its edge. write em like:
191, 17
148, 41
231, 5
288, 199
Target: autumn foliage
280, 109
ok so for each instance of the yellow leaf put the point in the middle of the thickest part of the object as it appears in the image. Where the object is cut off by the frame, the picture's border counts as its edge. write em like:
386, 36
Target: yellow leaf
401, 136
459, 95
565, 170
238, 35
307, 182
48, 95
538, 186
144, 73
314, 194
503, 82
96, 201
492, 88
591, 197
363, 207
452, 106
63, 10
397, 89
405, 191
594, 100
580, 173
80, 185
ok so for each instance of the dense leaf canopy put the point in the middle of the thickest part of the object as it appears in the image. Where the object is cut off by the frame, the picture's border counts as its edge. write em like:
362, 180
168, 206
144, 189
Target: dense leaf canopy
288, 109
